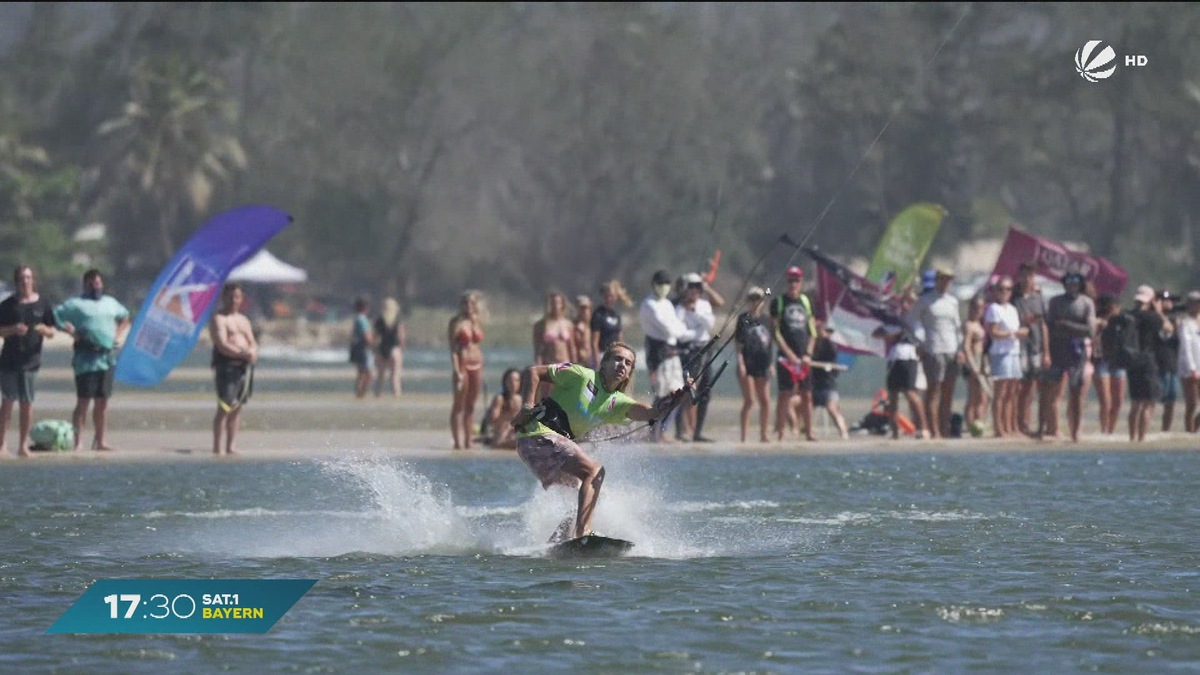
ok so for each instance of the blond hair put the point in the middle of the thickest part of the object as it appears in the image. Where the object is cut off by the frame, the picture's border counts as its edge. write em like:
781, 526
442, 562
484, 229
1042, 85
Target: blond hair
618, 290
626, 383
390, 311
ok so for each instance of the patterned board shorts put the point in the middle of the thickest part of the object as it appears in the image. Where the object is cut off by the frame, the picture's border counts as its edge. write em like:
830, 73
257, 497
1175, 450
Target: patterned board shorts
546, 455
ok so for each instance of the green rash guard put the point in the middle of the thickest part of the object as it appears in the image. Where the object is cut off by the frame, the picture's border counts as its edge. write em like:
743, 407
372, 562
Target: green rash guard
579, 393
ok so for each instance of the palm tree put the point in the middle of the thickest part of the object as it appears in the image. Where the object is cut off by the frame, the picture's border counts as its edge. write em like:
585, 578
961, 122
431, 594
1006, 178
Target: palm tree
173, 143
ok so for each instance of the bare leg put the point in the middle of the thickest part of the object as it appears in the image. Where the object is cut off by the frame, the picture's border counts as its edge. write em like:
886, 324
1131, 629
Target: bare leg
78, 418
470, 395
782, 412
1104, 396
1168, 415
397, 364
806, 413
1056, 393
1147, 415
100, 418
838, 420
918, 411
591, 478
762, 391
1135, 414
998, 417
6, 407
893, 405
1189, 404
946, 402
218, 429
380, 369
1115, 400
231, 430
1075, 409
747, 402
1025, 406
932, 405
456, 413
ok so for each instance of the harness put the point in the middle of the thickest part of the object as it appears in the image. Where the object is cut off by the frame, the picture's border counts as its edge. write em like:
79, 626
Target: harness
552, 415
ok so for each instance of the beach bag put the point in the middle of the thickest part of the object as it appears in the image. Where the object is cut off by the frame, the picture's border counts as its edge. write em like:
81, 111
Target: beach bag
52, 435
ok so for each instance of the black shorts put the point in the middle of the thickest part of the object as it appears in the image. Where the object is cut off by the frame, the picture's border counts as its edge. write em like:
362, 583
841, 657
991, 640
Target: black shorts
1145, 385
784, 378
235, 383
902, 375
757, 367
96, 384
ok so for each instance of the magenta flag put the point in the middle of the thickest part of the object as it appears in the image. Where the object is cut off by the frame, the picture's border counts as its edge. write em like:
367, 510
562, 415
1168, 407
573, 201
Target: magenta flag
1053, 260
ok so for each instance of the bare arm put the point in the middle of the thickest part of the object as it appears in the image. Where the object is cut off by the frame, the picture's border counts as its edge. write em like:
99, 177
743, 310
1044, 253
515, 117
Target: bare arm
714, 297
538, 329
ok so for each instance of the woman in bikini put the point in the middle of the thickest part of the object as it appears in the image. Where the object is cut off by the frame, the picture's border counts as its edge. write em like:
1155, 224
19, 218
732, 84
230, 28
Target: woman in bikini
466, 356
554, 333
505, 405
977, 397
583, 332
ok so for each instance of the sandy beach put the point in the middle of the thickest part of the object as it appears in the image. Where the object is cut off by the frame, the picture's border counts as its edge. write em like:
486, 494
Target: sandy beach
150, 427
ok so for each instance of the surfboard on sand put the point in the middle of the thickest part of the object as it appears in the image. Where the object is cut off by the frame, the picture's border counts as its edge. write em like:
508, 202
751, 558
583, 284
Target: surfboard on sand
590, 546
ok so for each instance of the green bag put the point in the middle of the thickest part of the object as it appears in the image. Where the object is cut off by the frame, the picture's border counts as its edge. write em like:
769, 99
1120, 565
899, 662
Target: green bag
53, 435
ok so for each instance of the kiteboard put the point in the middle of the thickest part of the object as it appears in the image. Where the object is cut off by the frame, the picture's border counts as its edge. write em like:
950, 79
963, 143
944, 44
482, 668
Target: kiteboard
590, 546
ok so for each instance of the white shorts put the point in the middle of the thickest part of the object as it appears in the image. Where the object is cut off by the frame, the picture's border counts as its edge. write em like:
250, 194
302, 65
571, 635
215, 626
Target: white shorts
1006, 366
668, 377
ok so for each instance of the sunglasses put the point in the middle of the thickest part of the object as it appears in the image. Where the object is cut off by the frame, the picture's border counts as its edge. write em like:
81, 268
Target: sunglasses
1004, 288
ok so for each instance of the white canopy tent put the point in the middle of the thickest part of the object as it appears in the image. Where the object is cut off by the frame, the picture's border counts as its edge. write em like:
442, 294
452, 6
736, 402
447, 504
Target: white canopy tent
265, 268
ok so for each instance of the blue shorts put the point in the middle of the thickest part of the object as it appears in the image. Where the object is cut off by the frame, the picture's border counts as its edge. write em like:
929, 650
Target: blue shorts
1104, 370
1006, 366
1170, 386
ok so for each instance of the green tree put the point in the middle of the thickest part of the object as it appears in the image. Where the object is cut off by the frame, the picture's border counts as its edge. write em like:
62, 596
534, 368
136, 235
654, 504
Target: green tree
171, 148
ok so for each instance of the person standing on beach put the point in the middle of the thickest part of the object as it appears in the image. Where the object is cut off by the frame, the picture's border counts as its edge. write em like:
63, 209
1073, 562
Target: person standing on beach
754, 344
391, 347
1035, 354
99, 324
361, 340
1189, 361
235, 351
1003, 324
606, 320
25, 320
465, 335
1145, 386
664, 331
1071, 319
941, 352
795, 332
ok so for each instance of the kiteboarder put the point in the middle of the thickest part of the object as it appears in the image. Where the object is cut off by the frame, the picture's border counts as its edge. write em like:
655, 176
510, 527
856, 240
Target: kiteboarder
580, 399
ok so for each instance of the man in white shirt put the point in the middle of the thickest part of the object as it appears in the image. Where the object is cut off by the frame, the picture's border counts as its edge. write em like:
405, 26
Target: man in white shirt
696, 313
664, 331
941, 351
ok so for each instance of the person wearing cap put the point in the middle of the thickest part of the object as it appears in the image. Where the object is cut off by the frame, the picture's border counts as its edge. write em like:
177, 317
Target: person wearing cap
941, 352
1003, 324
1189, 361
1145, 387
1166, 357
795, 331
824, 378
664, 331
1071, 321
696, 312
1035, 353
754, 352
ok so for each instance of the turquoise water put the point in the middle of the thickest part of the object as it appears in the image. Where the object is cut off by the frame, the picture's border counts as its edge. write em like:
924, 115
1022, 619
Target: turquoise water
917, 563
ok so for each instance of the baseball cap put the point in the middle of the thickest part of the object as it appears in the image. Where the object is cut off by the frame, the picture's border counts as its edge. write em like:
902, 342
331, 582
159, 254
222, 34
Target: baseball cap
756, 292
1144, 293
942, 272
692, 278
794, 271
1193, 296
1164, 294
662, 277
928, 278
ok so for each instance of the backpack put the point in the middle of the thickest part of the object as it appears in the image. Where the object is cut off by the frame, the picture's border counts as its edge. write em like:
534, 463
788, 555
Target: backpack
1120, 340
54, 435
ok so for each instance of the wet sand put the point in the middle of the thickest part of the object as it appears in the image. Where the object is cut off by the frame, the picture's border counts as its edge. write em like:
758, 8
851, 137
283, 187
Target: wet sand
297, 427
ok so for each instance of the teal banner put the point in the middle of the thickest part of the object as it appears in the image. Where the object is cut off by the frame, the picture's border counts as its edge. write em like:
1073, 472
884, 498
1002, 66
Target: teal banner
182, 605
